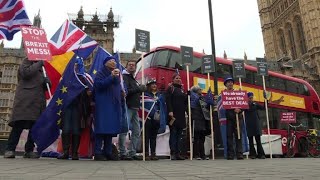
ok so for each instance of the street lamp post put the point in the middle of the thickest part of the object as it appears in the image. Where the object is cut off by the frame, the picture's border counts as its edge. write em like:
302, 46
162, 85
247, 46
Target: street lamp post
215, 78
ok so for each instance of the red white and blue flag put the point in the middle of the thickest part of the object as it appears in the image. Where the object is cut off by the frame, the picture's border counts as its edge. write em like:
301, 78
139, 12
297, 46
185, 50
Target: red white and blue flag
70, 38
12, 16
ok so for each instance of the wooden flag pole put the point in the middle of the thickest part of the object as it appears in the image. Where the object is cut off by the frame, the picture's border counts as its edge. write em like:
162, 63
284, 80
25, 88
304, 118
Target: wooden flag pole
143, 117
211, 124
189, 116
267, 115
237, 115
48, 87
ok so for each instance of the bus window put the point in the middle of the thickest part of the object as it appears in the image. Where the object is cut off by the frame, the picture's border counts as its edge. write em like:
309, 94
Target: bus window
305, 90
196, 65
315, 123
277, 83
223, 70
161, 58
249, 77
263, 118
257, 79
302, 118
147, 62
175, 60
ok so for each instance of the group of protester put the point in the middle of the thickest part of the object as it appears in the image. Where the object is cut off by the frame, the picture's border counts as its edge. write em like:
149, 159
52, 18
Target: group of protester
105, 105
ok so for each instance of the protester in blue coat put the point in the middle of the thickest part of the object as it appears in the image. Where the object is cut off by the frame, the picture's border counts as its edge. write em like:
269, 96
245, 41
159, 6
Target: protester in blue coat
108, 96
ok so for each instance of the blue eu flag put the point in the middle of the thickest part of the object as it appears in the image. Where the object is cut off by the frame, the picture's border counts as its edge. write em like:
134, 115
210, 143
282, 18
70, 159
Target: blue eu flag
101, 55
209, 97
46, 129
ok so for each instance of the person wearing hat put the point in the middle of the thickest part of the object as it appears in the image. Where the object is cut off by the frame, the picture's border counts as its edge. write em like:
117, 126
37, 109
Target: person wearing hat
134, 90
152, 124
232, 132
75, 117
200, 116
253, 125
108, 98
176, 100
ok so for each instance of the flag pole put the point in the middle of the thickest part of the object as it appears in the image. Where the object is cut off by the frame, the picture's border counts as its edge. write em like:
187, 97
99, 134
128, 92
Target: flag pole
237, 115
267, 115
243, 115
143, 117
211, 123
189, 116
48, 87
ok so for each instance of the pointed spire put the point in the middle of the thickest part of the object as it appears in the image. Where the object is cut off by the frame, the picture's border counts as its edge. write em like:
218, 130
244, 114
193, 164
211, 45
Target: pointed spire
245, 58
80, 13
203, 51
37, 20
225, 55
95, 17
110, 14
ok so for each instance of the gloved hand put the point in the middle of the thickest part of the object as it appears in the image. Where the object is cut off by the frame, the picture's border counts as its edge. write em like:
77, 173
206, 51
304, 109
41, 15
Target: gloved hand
264, 94
142, 88
47, 81
41, 63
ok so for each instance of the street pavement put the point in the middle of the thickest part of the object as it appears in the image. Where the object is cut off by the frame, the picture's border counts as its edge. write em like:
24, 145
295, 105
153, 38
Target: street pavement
53, 169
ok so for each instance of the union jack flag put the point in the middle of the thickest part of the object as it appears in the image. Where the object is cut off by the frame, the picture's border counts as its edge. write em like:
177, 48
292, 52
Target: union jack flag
148, 106
152, 105
12, 16
68, 38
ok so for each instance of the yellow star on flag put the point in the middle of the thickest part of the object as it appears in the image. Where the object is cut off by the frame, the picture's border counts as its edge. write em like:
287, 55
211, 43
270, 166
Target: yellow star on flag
59, 102
59, 113
94, 72
59, 122
64, 89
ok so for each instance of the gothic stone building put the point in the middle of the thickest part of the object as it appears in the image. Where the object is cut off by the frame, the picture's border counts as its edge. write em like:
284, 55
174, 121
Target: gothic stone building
291, 37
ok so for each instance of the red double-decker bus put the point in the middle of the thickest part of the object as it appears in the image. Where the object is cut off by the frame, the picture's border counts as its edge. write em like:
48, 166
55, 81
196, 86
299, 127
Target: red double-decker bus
286, 94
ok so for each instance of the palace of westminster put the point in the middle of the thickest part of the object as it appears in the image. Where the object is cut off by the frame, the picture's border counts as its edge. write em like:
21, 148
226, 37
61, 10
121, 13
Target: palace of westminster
290, 28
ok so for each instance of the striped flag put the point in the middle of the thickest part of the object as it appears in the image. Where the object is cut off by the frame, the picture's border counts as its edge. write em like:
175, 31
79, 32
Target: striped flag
69, 40
12, 16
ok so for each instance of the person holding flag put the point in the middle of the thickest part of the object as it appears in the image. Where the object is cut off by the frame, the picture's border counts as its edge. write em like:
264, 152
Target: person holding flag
254, 128
29, 103
108, 96
201, 121
76, 116
152, 123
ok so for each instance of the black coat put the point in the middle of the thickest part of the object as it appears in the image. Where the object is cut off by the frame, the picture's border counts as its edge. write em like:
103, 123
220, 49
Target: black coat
197, 114
177, 102
134, 92
252, 119
29, 100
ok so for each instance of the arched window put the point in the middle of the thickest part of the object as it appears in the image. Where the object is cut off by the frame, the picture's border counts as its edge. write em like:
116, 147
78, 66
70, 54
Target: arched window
291, 41
301, 36
282, 42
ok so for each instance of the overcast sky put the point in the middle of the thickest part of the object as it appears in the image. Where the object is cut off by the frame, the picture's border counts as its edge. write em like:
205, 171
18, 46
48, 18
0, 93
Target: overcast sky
170, 22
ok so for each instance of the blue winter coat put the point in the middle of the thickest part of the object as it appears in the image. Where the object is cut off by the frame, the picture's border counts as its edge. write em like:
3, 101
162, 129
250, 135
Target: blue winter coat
108, 111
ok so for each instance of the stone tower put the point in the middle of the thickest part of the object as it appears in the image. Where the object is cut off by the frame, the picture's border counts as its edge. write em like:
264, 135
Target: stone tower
292, 37
99, 27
